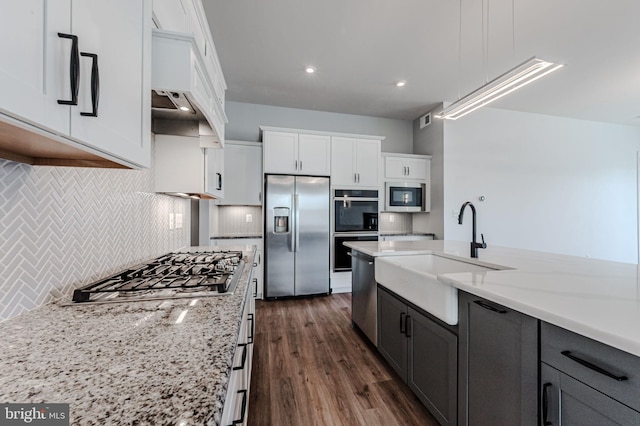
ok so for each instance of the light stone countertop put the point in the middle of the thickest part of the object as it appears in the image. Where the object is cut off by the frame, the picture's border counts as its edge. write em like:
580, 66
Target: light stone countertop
126, 363
595, 298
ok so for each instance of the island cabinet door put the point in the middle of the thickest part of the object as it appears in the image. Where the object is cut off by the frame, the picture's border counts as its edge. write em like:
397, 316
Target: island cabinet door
498, 364
433, 366
392, 326
569, 402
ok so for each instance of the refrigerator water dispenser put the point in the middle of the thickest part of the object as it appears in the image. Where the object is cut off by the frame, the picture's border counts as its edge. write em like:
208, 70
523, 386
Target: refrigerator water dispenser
281, 220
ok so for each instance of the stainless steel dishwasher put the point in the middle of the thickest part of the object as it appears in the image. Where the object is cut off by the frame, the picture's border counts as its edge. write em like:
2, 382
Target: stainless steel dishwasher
364, 295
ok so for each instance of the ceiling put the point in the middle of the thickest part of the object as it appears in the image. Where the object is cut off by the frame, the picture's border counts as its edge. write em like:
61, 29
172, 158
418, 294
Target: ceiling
360, 48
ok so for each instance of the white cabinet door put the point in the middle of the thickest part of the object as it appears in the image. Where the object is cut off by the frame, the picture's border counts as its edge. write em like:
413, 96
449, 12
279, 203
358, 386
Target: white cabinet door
179, 164
280, 152
243, 180
214, 172
367, 157
395, 168
416, 168
314, 155
343, 161
170, 15
34, 62
118, 32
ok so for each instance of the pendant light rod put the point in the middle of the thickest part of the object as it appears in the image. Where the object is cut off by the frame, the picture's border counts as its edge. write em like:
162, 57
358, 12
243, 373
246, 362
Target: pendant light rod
523, 74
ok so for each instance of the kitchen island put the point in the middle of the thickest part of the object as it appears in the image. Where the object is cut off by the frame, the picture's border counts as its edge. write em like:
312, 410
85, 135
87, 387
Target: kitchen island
512, 337
143, 362
595, 298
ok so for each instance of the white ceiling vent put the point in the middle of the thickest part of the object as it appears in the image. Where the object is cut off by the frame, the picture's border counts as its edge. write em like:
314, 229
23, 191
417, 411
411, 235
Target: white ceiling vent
425, 120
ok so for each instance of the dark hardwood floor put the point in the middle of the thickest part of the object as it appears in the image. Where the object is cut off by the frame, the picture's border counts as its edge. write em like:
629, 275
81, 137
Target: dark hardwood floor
312, 368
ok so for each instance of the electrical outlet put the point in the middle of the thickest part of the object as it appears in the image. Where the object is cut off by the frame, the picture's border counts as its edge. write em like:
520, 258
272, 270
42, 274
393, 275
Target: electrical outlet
172, 221
249, 218
392, 218
178, 220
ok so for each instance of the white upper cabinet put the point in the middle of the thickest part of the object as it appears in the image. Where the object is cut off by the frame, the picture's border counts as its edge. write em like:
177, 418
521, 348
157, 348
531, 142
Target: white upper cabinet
34, 62
406, 167
184, 166
354, 162
296, 154
314, 154
243, 160
92, 55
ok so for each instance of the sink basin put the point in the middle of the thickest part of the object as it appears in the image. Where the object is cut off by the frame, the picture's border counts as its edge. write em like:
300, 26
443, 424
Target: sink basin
416, 279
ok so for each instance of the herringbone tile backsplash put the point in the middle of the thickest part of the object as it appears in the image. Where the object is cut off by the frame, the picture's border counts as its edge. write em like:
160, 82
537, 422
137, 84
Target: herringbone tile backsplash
64, 227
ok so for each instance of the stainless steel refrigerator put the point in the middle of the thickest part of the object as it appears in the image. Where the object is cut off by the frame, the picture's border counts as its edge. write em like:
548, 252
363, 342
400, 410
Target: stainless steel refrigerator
296, 235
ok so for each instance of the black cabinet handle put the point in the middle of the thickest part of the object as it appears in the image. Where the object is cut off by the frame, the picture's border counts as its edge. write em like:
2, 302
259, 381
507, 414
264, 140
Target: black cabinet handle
74, 70
244, 356
219, 181
593, 367
243, 412
489, 307
402, 323
407, 321
95, 85
255, 286
253, 324
545, 405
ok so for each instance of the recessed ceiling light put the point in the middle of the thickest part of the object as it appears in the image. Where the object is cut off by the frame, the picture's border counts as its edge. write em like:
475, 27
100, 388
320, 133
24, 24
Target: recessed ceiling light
400, 83
310, 69
184, 108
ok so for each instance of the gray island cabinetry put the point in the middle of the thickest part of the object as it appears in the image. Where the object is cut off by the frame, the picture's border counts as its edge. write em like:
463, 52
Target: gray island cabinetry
498, 364
422, 350
584, 382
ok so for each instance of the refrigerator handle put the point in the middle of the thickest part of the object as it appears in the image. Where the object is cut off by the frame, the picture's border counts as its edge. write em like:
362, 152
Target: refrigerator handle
296, 225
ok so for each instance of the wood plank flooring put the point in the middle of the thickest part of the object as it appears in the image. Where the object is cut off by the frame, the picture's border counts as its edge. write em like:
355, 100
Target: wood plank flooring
312, 368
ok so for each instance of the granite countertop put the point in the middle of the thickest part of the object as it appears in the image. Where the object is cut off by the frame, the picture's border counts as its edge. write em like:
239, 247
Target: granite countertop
595, 298
126, 363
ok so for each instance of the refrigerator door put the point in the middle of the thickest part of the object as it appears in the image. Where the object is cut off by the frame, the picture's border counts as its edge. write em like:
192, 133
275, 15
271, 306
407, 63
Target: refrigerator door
279, 233
311, 236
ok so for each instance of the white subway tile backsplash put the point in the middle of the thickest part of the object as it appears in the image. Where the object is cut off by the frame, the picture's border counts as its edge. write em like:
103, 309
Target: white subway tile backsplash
63, 227
232, 220
395, 222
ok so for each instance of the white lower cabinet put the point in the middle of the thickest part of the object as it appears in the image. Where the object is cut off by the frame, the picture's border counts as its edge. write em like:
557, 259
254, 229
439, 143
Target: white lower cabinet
236, 404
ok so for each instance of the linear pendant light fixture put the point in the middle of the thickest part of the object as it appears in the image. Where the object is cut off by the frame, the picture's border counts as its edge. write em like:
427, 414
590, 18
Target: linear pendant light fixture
525, 73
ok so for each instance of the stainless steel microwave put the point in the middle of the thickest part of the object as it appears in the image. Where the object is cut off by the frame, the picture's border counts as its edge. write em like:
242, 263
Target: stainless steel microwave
405, 197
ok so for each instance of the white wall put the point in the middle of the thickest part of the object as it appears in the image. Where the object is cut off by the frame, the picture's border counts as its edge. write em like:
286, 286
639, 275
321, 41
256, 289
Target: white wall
551, 184
245, 119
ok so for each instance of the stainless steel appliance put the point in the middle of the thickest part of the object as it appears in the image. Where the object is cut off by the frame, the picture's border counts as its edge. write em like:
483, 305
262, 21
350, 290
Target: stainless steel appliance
175, 275
405, 197
296, 235
355, 219
364, 295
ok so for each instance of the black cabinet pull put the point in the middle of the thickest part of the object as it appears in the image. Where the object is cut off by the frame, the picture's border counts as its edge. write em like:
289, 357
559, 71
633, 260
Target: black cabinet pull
74, 70
219, 181
255, 286
489, 307
95, 85
406, 325
402, 323
593, 367
244, 356
253, 324
243, 412
545, 405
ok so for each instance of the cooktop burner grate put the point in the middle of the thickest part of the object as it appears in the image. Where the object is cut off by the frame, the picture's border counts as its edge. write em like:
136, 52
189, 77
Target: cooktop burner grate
171, 275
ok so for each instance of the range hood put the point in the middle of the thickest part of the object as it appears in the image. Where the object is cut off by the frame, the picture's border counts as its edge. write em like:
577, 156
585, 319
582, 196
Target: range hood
183, 87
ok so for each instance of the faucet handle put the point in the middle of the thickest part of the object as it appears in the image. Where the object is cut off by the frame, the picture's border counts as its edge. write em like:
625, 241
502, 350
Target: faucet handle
484, 245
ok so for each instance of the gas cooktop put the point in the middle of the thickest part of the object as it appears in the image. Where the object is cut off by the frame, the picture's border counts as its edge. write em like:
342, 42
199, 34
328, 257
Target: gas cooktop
175, 275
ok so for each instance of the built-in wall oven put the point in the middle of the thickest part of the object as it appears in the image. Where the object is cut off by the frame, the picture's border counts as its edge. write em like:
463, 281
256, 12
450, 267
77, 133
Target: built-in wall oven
355, 219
